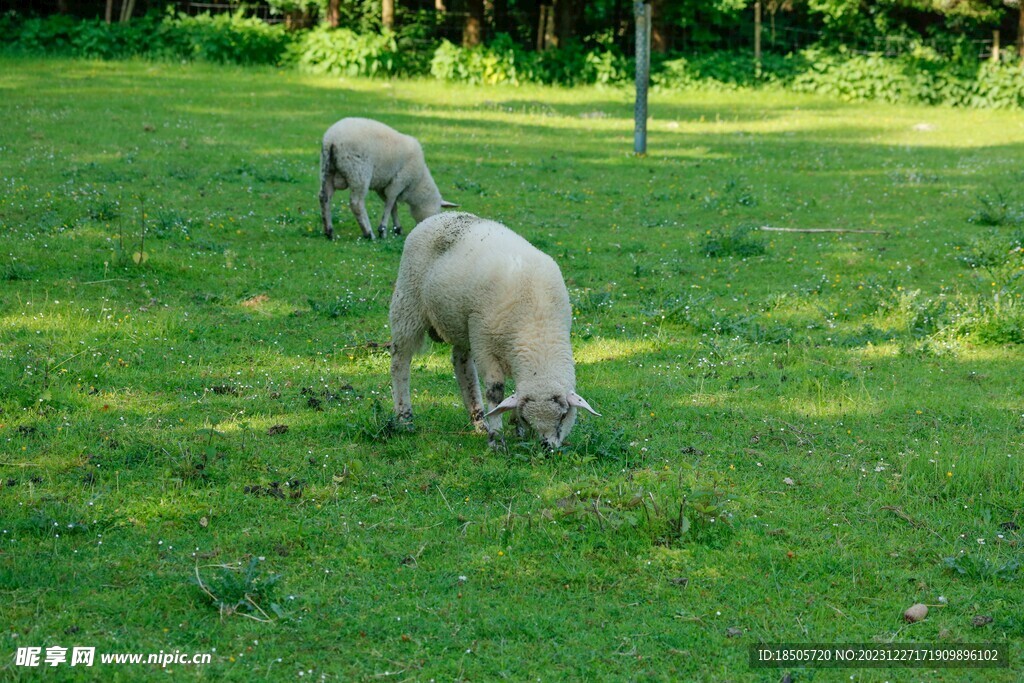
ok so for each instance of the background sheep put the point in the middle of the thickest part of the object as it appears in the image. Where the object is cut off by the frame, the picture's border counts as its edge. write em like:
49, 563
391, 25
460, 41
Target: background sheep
503, 306
363, 155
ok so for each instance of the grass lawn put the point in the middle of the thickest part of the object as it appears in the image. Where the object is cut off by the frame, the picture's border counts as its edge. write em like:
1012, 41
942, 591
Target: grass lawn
803, 433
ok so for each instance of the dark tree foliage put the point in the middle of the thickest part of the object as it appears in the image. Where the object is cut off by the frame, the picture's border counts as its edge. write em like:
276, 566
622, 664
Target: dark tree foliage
679, 25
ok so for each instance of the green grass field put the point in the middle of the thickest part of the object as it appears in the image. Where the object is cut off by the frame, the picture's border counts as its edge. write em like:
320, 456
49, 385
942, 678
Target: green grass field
803, 433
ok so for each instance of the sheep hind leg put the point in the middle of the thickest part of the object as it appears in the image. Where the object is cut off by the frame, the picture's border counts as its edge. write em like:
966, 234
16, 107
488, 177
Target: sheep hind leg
326, 192
408, 328
357, 202
401, 361
469, 385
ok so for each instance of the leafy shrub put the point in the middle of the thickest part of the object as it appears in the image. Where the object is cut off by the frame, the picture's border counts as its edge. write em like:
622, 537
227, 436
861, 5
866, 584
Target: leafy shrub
608, 67
500, 62
503, 61
344, 52
89, 38
909, 78
997, 324
574, 65
232, 38
851, 77
225, 38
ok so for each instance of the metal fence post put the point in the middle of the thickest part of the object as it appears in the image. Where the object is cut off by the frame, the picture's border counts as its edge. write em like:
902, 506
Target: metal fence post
642, 14
757, 36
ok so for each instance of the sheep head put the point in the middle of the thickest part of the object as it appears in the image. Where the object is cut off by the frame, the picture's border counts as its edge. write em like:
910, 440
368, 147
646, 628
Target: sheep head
551, 417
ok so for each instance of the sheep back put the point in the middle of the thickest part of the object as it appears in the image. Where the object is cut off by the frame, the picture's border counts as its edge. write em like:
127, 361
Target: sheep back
371, 148
480, 283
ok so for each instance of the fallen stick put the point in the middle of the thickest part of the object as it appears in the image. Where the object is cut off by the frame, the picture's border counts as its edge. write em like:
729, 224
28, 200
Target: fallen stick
869, 232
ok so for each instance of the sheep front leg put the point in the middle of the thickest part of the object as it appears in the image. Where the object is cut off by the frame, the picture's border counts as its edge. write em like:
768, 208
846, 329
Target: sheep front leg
390, 210
494, 381
394, 219
469, 385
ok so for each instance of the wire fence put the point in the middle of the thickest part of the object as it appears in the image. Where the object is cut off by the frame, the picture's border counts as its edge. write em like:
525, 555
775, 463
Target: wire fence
784, 39
257, 10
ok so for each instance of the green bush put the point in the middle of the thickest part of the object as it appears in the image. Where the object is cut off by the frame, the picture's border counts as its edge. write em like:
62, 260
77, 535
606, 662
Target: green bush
225, 38
575, 65
922, 77
503, 61
500, 62
232, 38
344, 52
88, 38
910, 78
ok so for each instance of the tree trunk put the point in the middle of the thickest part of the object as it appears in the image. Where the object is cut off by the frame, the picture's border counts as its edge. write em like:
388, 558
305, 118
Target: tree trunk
617, 23
473, 29
546, 37
297, 20
499, 12
127, 10
660, 39
757, 32
387, 15
333, 13
565, 22
108, 13
1020, 32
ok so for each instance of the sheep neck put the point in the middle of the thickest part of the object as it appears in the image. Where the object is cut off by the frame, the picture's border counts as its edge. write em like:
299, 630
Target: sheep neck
540, 352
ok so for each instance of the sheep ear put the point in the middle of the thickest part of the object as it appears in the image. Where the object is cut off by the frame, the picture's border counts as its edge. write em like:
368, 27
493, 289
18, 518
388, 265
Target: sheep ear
445, 204
508, 404
579, 402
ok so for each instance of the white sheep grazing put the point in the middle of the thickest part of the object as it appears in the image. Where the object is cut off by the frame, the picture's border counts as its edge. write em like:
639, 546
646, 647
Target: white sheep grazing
502, 305
363, 155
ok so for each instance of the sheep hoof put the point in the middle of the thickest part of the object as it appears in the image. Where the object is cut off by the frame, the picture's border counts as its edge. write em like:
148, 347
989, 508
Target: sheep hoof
329, 234
496, 442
